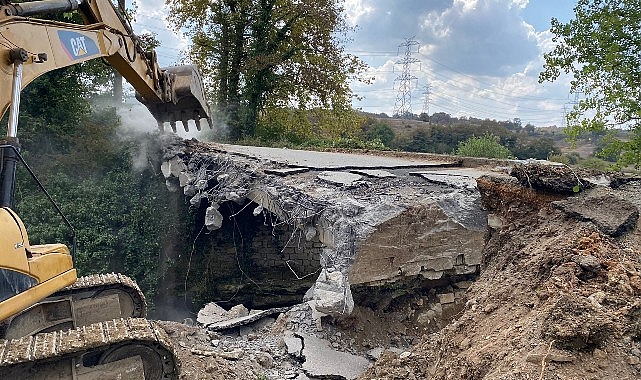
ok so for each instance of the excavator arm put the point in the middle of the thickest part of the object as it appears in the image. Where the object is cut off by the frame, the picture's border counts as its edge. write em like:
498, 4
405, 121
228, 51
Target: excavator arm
37, 46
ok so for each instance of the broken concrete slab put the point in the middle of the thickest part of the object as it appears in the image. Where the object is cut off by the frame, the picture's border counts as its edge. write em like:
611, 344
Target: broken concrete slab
286, 171
373, 173
213, 218
245, 320
340, 178
457, 178
421, 241
322, 361
611, 214
388, 229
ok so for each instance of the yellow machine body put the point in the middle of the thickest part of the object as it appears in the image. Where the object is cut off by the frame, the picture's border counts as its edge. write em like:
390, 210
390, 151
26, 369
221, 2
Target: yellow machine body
28, 273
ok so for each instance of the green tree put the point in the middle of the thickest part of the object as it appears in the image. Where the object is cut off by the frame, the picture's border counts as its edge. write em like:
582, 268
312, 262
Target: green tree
487, 146
260, 55
378, 130
600, 49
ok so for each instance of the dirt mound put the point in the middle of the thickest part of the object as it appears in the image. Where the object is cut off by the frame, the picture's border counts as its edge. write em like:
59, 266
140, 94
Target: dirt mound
558, 297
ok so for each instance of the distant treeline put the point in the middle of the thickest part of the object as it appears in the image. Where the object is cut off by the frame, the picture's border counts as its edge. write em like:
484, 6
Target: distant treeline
442, 133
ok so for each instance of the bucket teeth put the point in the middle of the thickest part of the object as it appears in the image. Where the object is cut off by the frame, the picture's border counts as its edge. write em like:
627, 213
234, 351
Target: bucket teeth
188, 99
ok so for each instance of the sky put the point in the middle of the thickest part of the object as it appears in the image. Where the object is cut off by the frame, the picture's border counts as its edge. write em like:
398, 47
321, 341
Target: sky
480, 58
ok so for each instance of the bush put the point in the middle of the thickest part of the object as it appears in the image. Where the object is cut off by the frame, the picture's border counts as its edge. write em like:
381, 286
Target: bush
487, 146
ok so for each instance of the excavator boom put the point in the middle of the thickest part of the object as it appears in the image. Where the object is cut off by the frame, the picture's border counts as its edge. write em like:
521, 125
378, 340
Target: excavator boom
39, 46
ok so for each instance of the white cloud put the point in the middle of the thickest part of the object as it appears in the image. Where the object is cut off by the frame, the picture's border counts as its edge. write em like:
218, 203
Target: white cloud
355, 9
481, 58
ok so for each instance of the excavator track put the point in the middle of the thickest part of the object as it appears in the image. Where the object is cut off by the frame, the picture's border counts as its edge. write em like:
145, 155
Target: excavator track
126, 348
90, 299
99, 284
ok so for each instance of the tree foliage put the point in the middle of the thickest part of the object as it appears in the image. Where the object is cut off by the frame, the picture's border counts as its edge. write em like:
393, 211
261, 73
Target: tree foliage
263, 55
487, 146
601, 49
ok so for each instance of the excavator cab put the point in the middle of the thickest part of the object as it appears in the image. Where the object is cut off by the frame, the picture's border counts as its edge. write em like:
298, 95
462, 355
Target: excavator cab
28, 273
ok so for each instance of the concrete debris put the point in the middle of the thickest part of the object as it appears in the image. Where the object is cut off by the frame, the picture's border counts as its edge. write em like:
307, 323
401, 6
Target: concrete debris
340, 178
174, 167
375, 353
611, 214
213, 218
235, 354
373, 173
371, 231
332, 294
294, 345
322, 361
253, 316
211, 313
239, 311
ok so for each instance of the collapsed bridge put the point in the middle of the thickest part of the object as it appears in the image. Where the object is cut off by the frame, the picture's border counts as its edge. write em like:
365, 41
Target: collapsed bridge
283, 224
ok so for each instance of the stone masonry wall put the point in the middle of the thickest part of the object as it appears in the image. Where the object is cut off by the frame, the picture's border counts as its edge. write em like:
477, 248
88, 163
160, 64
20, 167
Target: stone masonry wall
285, 254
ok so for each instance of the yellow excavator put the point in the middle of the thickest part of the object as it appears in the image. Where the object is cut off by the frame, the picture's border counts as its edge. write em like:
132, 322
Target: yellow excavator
54, 325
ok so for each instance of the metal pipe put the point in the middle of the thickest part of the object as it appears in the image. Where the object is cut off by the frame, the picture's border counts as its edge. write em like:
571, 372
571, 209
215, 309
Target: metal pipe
43, 7
12, 130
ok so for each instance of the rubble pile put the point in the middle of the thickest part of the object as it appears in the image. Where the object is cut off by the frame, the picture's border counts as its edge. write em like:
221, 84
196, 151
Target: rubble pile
429, 269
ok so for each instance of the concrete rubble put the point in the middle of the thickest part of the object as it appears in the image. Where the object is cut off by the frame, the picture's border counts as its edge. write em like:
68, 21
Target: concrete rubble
379, 219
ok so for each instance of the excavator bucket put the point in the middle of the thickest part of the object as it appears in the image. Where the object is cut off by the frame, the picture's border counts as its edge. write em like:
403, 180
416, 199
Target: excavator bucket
189, 99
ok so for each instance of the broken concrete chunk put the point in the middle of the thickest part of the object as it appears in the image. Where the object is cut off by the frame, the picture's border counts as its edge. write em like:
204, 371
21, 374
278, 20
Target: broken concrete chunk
165, 168
211, 313
375, 353
195, 200
612, 215
339, 178
494, 221
213, 218
238, 311
322, 361
254, 316
176, 166
235, 354
185, 178
294, 345
332, 294
446, 298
